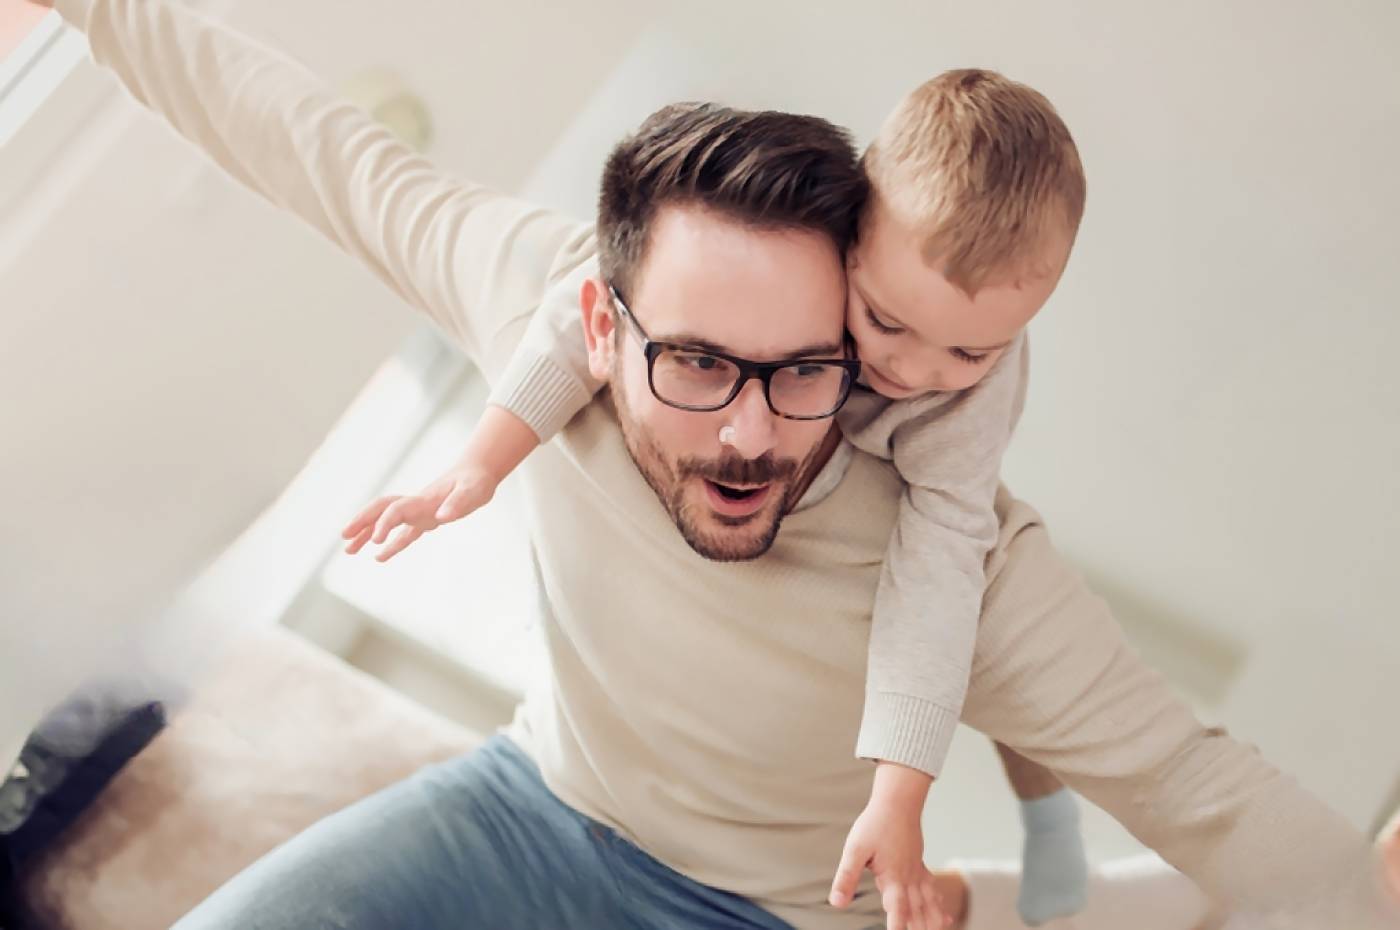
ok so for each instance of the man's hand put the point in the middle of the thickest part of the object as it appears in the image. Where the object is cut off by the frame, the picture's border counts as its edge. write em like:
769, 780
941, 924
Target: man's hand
451, 497
888, 840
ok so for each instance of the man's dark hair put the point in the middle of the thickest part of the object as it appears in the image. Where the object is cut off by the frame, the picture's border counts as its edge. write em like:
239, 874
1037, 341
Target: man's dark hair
765, 169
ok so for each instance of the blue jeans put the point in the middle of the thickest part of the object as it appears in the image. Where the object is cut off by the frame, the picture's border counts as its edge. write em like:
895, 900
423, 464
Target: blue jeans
476, 842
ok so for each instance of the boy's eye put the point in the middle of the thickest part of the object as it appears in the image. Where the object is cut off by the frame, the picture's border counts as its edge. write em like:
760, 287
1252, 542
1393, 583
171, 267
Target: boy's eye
965, 356
881, 326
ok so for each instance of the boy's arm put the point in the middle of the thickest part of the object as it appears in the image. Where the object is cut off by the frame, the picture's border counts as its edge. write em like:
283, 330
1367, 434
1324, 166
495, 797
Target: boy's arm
476, 261
499, 442
1054, 679
948, 449
547, 380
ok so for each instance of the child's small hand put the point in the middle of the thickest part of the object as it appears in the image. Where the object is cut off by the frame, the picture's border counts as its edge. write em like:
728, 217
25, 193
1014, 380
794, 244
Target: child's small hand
451, 497
1390, 853
890, 843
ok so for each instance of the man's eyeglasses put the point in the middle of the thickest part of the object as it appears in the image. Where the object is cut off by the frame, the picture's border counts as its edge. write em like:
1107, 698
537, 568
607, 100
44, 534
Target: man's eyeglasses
695, 378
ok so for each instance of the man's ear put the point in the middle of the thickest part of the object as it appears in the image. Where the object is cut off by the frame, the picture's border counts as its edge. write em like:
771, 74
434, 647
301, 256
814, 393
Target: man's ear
599, 324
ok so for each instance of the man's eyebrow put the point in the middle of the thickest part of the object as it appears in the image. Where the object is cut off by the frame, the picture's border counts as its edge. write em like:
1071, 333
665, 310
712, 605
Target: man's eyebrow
814, 350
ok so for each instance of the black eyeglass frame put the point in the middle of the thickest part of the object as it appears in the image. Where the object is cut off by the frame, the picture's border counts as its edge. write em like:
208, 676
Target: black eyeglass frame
748, 369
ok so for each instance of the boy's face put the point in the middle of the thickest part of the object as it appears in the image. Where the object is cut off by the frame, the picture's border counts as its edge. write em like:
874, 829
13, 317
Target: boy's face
915, 331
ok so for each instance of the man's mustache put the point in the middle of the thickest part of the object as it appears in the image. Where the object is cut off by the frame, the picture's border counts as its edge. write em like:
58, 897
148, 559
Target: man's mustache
733, 469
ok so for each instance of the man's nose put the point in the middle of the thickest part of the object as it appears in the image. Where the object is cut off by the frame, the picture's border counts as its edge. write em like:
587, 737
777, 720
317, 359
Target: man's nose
755, 431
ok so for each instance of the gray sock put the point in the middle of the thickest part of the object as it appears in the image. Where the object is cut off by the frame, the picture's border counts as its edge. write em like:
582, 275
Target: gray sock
1054, 869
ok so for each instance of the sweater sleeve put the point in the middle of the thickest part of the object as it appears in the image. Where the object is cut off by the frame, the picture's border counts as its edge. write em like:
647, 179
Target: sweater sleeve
477, 262
547, 380
1053, 678
948, 449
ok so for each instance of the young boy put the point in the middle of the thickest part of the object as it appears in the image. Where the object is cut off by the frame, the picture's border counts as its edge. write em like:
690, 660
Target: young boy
977, 193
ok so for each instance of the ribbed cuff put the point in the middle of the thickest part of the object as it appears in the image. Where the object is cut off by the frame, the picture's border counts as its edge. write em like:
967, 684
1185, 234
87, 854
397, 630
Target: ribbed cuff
907, 730
541, 393
1050, 813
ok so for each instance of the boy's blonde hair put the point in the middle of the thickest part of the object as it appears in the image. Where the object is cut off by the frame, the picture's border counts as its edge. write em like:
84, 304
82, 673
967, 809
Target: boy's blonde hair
985, 170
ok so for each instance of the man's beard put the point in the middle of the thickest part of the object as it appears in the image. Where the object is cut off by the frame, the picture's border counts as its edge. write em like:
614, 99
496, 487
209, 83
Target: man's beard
669, 480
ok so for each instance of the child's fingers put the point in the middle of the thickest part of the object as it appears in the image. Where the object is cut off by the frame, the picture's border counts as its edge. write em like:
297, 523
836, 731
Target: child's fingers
843, 887
923, 904
462, 501
359, 541
896, 905
396, 515
935, 916
400, 542
366, 517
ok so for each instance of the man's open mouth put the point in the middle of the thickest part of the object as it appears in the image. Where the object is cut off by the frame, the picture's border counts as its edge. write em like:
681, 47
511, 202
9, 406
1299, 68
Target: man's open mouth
736, 493
736, 500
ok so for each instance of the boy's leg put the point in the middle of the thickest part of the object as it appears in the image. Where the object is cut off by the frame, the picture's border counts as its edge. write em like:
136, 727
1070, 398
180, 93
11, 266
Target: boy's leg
1055, 869
475, 842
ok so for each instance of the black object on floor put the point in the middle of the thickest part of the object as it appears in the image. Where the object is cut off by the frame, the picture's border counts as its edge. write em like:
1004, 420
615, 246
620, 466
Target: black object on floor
64, 766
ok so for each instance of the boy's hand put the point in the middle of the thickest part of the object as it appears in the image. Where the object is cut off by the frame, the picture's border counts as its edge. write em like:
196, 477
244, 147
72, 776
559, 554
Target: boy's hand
498, 444
1390, 853
451, 497
890, 842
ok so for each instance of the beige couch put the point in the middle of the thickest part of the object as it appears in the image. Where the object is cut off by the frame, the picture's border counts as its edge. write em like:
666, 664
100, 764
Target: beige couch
279, 736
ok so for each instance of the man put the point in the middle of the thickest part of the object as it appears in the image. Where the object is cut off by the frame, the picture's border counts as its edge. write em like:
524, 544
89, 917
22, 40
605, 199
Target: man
689, 763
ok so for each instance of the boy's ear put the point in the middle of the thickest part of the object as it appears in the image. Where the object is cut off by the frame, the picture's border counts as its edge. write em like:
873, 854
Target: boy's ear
599, 323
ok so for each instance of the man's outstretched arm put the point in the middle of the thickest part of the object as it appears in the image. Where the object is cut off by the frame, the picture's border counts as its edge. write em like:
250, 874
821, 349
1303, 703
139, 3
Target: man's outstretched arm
1054, 679
476, 261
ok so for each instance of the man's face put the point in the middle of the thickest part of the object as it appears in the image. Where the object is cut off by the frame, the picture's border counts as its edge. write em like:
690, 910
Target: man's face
763, 295
915, 331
